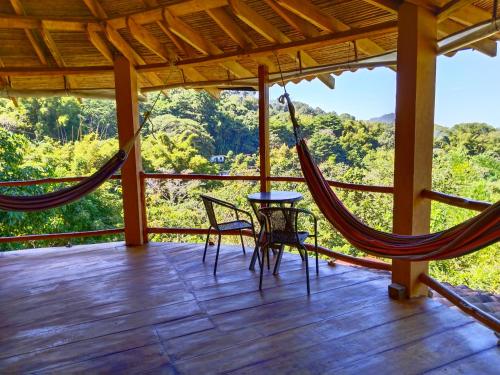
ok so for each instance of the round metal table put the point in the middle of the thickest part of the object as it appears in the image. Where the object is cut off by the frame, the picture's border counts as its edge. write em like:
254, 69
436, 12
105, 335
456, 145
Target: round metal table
270, 198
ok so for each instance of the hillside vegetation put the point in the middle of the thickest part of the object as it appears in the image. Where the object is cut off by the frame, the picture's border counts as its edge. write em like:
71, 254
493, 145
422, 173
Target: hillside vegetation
62, 137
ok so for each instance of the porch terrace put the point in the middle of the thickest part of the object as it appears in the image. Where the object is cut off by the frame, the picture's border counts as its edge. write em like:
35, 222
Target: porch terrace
98, 308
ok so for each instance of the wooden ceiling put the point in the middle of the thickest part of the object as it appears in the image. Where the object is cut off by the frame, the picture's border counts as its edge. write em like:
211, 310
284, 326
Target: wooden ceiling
69, 45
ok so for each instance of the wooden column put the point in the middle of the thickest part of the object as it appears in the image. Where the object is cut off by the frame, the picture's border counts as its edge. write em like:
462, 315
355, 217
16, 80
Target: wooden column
265, 163
416, 77
127, 113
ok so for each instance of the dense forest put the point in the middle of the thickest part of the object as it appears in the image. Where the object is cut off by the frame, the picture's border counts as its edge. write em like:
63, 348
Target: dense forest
58, 137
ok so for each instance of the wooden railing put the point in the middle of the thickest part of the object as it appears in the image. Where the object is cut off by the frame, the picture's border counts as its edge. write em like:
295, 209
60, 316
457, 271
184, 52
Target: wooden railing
453, 200
467, 307
441, 197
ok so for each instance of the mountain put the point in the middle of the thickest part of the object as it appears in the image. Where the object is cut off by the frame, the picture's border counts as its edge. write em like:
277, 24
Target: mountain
388, 118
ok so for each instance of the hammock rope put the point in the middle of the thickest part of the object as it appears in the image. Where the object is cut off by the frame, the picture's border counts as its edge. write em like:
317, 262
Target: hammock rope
469, 236
86, 186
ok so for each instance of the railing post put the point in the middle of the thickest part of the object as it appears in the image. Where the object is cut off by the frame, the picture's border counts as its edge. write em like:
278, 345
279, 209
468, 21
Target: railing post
265, 163
127, 114
144, 208
416, 76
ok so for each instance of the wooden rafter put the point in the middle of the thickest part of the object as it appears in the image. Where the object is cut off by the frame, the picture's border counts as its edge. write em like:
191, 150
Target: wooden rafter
293, 20
471, 15
56, 54
451, 7
99, 44
177, 10
314, 15
391, 6
190, 72
239, 36
232, 29
309, 31
144, 37
19, 10
117, 40
273, 34
190, 36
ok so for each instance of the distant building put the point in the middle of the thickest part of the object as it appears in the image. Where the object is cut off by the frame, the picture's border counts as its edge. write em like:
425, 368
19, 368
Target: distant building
217, 158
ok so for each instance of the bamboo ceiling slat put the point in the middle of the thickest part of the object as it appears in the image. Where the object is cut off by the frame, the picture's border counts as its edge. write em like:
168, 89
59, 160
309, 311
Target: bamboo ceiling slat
76, 49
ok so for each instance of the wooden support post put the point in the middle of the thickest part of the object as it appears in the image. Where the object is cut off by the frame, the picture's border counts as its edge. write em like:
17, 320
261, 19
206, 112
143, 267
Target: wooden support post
265, 163
127, 113
416, 77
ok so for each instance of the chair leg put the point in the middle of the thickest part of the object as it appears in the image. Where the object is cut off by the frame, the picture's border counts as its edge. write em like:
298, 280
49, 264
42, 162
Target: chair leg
317, 262
217, 254
278, 260
307, 272
264, 250
256, 250
301, 255
242, 243
206, 244
267, 255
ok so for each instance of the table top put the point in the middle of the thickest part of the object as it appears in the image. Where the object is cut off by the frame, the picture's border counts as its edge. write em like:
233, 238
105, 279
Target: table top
275, 197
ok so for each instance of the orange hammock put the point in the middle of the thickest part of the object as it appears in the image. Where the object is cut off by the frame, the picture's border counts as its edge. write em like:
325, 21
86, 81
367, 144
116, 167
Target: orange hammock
66, 195
471, 235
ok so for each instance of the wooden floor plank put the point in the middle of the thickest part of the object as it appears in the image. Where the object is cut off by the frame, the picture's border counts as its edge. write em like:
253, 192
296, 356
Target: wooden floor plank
430, 352
359, 338
485, 362
106, 308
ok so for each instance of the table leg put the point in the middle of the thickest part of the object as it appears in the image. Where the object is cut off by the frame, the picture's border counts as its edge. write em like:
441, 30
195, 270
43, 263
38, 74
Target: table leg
255, 254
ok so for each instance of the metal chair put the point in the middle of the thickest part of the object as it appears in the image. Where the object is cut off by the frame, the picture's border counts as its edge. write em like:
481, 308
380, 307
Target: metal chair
281, 228
229, 226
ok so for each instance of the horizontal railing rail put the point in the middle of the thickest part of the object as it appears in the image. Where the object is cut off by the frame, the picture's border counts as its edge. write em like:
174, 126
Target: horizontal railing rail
52, 236
51, 180
456, 201
342, 185
487, 319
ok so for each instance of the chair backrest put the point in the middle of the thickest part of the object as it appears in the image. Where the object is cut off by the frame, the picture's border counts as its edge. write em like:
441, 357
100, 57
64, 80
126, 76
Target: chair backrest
282, 220
209, 207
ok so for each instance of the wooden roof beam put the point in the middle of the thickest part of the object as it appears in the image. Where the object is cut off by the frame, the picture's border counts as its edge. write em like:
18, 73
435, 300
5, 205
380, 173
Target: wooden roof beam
391, 6
56, 54
451, 7
233, 30
144, 37
309, 31
273, 34
100, 44
156, 14
471, 15
117, 40
189, 72
79, 25
186, 33
257, 22
19, 10
293, 20
313, 14
286, 48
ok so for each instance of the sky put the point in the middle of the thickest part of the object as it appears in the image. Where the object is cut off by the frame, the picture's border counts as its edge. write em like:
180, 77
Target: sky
467, 90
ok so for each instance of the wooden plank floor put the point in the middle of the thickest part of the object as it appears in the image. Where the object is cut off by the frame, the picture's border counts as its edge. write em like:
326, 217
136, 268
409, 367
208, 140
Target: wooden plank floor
158, 309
